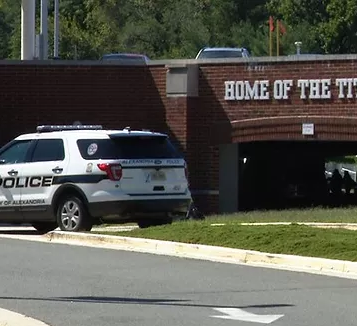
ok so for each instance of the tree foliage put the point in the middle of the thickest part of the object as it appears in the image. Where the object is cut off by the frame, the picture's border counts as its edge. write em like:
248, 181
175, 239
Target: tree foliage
178, 29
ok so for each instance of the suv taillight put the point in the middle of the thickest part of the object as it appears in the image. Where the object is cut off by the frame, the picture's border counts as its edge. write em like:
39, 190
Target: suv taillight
114, 171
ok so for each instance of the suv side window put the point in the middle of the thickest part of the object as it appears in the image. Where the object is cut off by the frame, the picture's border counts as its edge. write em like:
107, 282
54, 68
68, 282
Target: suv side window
15, 153
48, 150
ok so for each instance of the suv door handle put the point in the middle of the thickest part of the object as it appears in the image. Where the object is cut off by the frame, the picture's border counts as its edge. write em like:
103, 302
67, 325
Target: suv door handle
57, 169
13, 172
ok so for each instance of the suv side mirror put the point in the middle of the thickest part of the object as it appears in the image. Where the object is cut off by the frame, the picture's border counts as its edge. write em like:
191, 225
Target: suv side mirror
2, 162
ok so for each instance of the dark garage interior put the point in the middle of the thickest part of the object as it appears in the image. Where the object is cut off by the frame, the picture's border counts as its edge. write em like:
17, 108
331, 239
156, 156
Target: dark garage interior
293, 174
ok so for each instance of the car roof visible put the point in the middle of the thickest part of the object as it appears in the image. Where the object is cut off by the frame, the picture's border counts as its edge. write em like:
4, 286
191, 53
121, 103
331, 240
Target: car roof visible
89, 134
224, 49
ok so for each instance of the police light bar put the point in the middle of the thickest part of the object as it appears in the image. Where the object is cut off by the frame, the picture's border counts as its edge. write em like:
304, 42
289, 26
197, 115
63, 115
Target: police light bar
47, 128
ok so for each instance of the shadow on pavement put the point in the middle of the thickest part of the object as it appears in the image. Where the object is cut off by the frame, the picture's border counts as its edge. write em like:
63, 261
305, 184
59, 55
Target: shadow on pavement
142, 301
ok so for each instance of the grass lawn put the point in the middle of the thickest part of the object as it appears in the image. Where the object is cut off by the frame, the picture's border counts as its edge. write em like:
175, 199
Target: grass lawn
335, 215
286, 239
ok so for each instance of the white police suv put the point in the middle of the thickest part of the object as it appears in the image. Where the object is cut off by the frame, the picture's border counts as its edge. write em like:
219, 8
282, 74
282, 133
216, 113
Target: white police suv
71, 176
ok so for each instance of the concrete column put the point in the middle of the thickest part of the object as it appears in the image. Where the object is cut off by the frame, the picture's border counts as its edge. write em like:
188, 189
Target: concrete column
28, 9
228, 178
44, 30
182, 80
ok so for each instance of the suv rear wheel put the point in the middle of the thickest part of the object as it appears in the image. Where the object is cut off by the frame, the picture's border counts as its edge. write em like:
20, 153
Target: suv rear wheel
72, 215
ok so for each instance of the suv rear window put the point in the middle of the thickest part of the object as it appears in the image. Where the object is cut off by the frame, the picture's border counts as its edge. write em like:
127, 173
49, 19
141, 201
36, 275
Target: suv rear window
127, 147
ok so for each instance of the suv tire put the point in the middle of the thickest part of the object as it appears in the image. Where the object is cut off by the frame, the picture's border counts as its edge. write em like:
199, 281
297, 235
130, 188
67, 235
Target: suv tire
72, 215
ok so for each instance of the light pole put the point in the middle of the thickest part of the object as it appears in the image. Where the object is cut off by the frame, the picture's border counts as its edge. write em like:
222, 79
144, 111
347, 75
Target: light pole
44, 30
56, 30
28, 9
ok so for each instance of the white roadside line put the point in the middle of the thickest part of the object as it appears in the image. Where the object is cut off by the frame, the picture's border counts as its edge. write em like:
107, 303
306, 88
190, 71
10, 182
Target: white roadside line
10, 318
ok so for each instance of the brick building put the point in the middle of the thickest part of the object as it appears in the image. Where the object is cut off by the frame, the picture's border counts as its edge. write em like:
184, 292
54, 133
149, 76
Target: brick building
220, 113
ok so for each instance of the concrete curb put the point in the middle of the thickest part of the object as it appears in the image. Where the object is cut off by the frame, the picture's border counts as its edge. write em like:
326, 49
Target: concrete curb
10, 318
330, 267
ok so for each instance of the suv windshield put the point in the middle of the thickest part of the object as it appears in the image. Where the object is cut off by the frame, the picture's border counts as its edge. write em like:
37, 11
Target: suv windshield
128, 147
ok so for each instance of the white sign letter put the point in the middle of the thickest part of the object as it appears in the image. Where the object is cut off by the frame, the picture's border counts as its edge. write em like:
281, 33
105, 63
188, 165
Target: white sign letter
314, 89
229, 93
325, 88
287, 87
349, 87
341, 83
264, 94
251, 93
278, 89
239, 90
303, 83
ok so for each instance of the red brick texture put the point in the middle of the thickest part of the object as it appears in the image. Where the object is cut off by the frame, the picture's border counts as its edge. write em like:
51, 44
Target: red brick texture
114, 96
119, 96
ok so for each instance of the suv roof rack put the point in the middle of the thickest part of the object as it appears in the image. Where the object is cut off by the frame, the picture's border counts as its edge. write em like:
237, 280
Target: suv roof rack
47, 128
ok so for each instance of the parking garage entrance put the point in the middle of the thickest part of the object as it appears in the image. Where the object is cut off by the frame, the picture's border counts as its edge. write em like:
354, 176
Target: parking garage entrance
288, 173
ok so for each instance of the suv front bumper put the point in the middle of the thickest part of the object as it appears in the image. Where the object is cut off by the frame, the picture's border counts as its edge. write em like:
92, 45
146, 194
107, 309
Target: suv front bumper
138, 207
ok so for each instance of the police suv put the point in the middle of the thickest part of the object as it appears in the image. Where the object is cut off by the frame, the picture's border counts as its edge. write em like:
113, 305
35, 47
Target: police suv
72, 176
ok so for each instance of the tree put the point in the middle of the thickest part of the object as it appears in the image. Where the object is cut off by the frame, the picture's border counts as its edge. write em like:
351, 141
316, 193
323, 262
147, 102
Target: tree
329, 26
178, 29
339, 32
10, 32
5, 36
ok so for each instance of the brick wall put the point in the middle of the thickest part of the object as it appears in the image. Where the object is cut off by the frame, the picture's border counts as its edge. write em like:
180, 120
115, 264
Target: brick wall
118, 96
215, 120
115, 96
212, 93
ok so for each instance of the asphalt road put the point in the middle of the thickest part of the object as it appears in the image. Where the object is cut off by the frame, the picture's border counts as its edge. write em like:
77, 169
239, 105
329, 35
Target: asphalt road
66, 285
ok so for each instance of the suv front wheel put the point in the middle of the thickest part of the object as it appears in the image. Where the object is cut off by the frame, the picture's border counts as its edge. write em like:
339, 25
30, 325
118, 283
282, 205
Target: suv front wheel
73, 216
